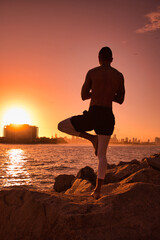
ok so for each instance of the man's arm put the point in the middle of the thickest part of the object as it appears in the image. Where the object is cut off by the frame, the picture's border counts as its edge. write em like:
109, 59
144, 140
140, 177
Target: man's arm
86, 88
119, 96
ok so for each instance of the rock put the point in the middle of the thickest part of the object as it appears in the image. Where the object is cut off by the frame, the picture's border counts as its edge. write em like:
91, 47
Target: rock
134, 206
144, 163
110, 166
146, 175
154, 161
134, 161
63, 182
88, 174
127, 211
120, 172
80, 186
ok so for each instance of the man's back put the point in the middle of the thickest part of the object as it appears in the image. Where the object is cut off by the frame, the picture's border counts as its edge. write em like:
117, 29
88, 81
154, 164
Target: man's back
105, 83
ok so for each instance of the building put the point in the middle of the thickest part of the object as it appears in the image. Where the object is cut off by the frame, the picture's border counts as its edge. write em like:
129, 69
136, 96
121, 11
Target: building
157, 140
114, 139
20, 133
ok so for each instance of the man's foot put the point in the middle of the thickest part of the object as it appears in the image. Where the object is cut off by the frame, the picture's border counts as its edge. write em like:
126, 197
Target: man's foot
95, 144
95, 195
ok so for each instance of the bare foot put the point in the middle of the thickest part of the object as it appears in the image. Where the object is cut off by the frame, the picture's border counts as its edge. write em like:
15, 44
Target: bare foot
96, 195
95, 144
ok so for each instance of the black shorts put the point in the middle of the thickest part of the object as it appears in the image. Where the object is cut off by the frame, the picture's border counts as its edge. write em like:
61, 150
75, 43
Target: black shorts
98, 118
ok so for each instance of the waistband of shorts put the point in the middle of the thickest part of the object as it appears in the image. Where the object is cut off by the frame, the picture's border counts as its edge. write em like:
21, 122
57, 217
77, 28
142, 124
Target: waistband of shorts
96, 107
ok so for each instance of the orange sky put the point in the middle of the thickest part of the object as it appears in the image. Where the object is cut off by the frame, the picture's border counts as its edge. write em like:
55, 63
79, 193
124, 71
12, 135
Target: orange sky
48, 46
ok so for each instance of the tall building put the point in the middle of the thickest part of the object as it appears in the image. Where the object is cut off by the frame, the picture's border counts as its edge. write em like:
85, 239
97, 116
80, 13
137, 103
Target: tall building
114, 139
20, 133
126, 140
157, 140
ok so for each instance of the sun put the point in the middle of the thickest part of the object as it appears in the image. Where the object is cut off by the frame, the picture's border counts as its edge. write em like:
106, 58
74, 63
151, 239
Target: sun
16, 115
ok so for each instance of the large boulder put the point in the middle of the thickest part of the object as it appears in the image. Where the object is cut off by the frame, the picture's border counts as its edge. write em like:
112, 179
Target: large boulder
127, 211
154, 161
88, 174
144, 163
120, 172
63, 182
80, 186
134, 161
146, 175
109, 166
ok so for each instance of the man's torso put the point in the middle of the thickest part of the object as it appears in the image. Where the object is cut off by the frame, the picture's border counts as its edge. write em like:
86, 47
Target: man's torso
105, 82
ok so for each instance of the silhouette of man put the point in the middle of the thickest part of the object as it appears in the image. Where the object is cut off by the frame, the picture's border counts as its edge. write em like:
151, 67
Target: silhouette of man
103, 85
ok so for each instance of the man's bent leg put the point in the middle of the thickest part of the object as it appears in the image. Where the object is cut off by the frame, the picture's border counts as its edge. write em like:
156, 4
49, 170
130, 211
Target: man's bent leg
67, 127
103, 141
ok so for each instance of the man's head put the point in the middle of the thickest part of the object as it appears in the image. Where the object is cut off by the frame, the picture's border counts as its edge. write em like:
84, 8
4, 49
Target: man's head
105, 55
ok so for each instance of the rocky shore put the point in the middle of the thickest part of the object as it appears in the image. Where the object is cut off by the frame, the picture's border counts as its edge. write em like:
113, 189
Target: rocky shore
129, 208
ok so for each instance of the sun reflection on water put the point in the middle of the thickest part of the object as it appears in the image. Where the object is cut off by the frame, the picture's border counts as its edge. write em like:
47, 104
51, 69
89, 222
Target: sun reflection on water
16, 173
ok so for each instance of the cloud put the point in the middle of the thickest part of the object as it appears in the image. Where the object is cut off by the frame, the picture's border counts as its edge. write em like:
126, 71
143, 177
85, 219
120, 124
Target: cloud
153, 22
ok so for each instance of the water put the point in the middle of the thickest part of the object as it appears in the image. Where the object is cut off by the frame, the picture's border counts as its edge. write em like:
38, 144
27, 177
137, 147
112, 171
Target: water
37, 165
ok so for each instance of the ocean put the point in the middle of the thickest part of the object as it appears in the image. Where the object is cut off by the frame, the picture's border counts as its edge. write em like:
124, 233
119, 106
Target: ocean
36, 166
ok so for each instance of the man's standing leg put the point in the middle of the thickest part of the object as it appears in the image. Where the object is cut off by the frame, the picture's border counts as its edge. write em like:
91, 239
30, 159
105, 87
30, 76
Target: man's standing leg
103, 141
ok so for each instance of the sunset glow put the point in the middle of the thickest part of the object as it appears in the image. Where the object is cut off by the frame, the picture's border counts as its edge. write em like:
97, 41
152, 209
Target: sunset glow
47, 47
16, 115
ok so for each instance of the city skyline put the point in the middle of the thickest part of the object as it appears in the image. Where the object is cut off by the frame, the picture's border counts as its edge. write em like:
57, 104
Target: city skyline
47, 47
26, 131
114, 139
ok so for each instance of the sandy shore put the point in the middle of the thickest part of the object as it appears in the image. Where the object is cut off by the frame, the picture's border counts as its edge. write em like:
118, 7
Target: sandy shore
129, 208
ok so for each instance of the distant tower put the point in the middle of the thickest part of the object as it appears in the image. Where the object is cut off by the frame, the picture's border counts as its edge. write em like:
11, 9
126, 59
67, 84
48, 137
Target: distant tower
126, 139
114, 138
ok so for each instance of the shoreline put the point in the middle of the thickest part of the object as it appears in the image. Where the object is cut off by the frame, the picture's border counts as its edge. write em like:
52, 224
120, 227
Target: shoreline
83, 144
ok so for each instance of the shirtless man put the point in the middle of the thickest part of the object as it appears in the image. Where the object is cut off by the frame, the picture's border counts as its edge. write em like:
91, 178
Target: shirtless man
103, 85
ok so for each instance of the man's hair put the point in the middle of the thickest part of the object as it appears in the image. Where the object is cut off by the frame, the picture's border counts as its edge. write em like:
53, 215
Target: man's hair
105, 54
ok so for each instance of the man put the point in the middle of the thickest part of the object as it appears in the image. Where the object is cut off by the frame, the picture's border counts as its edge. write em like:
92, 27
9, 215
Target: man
103, 85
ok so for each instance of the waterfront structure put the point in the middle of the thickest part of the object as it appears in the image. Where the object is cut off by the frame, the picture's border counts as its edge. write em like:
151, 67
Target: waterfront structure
157, 140
114, 139
20, 133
